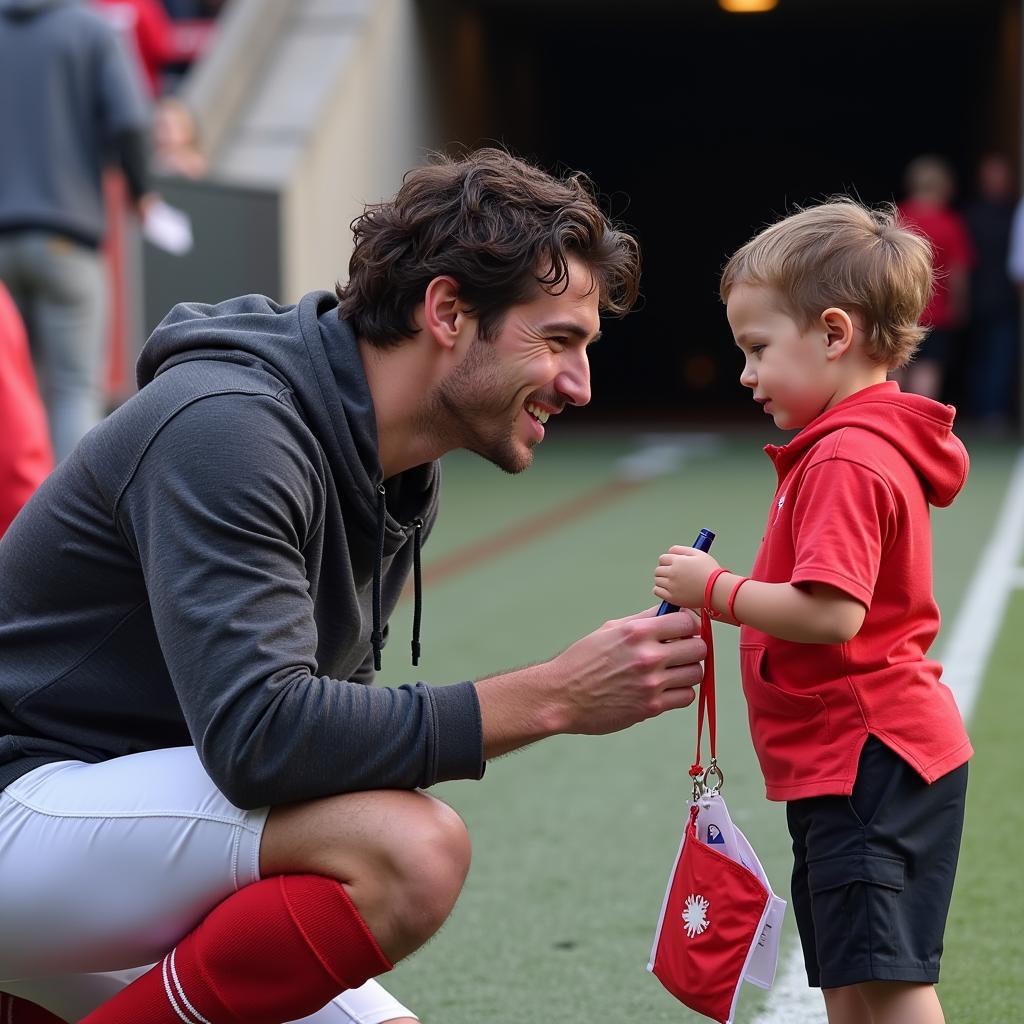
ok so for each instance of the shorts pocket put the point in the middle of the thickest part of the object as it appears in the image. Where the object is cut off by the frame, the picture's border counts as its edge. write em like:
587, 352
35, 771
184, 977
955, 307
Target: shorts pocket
854, 904
879, 773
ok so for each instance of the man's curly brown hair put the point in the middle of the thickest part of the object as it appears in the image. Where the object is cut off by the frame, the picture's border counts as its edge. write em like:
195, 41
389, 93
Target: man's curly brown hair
497, 225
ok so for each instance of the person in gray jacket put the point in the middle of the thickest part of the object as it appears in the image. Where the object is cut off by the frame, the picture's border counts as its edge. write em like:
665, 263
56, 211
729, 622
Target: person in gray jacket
72, 101
193, 769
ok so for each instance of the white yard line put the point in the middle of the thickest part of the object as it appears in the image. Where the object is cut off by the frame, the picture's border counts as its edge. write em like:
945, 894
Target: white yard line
660, 454
966, 652
965, 655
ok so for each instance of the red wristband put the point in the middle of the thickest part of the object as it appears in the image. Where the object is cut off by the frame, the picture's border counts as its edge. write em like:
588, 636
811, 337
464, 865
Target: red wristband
732, 596
708, 587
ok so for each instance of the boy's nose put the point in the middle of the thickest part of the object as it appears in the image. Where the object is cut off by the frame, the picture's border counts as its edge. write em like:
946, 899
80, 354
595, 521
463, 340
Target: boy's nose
748, 378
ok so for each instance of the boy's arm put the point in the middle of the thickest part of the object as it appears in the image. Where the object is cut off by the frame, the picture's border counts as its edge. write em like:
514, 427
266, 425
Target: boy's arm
811, 613
805, 613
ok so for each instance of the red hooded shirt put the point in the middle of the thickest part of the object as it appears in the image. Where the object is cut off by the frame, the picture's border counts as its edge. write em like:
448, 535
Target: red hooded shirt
851, 510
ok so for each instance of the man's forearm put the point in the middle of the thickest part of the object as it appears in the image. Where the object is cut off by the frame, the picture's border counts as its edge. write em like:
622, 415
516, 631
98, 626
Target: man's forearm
517, 708
130, 146
626, 671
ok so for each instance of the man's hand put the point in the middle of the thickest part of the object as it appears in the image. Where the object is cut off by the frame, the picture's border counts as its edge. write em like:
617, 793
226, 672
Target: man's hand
625, 672
145, 203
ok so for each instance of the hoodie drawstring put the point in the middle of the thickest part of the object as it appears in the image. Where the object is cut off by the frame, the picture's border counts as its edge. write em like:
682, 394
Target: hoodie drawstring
377, 636
417, 586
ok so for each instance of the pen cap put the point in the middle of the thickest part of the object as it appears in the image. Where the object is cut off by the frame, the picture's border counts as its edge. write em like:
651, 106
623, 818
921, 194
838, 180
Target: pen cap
703, 541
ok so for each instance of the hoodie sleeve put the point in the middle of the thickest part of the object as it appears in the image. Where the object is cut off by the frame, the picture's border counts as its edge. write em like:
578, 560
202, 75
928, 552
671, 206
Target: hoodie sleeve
121, 98
219, 511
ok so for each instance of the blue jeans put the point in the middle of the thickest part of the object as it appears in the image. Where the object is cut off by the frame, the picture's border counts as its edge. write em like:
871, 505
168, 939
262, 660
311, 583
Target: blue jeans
59, 286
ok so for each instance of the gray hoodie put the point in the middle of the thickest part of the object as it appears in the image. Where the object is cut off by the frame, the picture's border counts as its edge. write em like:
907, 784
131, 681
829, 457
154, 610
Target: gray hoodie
70, 100
205, 567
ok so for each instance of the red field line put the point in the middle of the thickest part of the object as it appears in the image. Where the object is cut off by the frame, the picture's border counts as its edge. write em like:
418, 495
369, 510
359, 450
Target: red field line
527, 530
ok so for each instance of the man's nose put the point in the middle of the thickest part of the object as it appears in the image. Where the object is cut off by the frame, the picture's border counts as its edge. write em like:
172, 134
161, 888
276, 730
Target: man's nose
573, 380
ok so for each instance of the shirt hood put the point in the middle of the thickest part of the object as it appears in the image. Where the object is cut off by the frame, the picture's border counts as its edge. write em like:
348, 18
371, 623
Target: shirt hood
919, 428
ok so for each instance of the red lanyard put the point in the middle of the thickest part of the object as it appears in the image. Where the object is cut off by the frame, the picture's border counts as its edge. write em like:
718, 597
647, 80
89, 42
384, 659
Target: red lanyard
706, 698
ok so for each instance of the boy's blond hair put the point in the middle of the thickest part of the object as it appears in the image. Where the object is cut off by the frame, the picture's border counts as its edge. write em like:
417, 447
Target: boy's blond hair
841, 253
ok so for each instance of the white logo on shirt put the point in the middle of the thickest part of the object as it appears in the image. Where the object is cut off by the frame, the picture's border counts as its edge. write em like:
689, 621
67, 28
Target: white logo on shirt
782, 501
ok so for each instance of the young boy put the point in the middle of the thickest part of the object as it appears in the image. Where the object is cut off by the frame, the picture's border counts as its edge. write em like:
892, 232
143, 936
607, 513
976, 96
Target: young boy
850, 721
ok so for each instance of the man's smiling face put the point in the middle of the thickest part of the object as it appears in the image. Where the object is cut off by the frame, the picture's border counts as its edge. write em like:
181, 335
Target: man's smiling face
501, 394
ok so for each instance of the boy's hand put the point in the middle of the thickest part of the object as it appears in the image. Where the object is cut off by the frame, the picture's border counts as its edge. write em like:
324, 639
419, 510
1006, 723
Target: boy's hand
682, 575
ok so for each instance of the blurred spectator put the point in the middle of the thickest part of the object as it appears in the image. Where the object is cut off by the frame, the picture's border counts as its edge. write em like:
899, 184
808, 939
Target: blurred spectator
930, 186
79, 101
995, 325
147, 27
25, 454
186, 9
1015, 258
176, 141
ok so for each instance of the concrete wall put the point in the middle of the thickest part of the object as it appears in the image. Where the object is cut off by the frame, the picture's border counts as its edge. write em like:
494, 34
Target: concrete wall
374, 125
323, 103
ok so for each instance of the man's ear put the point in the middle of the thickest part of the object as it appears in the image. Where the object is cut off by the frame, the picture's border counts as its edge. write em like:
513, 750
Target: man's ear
444, 312
838, 327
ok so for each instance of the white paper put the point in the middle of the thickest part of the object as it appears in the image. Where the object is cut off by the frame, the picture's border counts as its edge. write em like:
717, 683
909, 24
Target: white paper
168, 228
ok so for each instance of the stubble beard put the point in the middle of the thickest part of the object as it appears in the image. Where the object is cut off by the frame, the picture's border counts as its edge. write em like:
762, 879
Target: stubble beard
471, 409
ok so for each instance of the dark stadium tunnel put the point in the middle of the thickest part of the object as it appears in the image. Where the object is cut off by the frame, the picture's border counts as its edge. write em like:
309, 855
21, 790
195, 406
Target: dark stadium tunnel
701, 126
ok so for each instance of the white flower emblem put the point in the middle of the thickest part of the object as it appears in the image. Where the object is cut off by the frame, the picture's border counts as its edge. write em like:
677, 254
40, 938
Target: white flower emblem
695, 914
782, 501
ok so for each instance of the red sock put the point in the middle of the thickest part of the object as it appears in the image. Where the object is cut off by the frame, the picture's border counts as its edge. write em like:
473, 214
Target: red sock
275, 951
20, 1011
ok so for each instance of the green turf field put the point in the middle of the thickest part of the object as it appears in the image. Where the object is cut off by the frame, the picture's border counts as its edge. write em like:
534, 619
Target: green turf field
574, 837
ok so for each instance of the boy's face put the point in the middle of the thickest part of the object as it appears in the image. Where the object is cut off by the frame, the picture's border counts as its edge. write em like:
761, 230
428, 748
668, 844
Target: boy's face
786, 368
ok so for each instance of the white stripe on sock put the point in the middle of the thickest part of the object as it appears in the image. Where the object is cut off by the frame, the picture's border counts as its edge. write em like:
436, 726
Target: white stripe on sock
181, 992
170, 995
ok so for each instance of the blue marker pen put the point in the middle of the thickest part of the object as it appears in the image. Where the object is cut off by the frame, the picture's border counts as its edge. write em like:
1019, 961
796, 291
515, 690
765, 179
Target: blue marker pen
702, 543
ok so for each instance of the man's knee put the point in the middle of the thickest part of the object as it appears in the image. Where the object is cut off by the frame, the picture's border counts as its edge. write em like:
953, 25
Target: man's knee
403, 856
347, 836
430, 845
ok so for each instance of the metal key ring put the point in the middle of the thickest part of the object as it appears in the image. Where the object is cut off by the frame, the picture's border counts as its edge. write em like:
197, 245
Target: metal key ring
713, 770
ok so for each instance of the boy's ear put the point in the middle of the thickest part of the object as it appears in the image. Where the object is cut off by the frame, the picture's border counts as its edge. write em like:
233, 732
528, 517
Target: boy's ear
445, 312
838, 327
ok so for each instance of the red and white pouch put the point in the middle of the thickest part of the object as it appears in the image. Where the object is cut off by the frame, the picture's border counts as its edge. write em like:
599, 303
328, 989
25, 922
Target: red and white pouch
720, 922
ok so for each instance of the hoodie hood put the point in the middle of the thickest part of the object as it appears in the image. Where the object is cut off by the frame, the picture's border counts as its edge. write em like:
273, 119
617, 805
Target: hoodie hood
919, 428
314, 354
316, 357
30, 8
